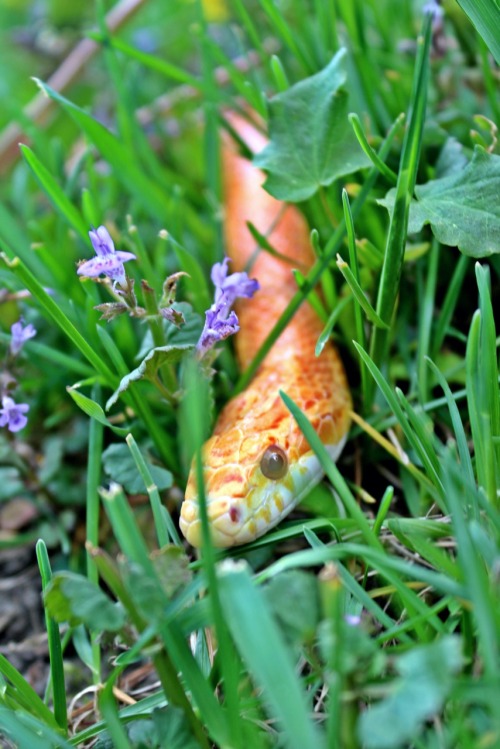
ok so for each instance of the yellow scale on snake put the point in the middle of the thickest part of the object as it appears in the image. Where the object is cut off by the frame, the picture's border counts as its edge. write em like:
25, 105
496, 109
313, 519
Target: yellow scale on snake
257, 465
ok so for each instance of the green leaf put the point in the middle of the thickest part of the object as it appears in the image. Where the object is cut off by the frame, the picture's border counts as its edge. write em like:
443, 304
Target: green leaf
187, 333
462, 208
120, 466
73, 598
293, 599
485, 15
311, 140
426, 678
94, 410
149, 366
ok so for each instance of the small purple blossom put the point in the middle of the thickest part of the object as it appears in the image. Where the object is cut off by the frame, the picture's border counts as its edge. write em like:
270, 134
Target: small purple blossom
233, 286
12, 414
353, 620
20, 334
220, 321
108, 261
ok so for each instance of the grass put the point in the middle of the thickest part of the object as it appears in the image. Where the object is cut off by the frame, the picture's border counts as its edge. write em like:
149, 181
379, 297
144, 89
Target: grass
371, 617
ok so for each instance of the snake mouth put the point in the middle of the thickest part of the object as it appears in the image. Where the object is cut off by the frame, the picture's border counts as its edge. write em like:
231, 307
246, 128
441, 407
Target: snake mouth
226, 521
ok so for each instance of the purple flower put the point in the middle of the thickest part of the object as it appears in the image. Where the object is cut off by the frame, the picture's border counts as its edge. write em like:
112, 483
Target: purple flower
107, 261
12, 414
220, 321
233, 286
20, 335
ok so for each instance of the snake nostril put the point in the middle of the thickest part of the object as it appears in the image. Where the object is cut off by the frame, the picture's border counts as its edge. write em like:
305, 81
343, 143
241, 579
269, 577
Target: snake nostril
274, 463
234, 514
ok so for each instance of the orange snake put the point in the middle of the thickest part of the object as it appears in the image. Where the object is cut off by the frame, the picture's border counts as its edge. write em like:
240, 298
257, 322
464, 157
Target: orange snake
257, 465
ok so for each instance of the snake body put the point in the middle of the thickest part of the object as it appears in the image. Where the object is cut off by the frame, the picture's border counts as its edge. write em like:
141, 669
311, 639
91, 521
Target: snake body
255, 427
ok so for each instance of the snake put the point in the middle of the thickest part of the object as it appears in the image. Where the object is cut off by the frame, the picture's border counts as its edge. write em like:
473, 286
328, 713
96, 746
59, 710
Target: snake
257, 465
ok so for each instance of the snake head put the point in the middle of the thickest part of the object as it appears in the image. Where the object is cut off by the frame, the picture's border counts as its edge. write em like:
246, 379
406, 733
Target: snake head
245, 499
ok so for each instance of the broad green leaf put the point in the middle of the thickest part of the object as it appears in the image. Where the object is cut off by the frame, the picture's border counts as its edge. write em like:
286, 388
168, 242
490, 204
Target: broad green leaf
120, 466
311, 140
73, 598
485, 15
462, 208
426, 677
149, 367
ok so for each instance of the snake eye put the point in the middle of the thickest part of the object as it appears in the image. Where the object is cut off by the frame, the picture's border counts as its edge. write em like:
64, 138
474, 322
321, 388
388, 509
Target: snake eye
274, 463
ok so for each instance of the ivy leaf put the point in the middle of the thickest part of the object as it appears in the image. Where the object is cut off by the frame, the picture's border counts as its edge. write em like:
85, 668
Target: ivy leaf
462, 208
311, 140
426, 677
75, 599
120, 466
149, 366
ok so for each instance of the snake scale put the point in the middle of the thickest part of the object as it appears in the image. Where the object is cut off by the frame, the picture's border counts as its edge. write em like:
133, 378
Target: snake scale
257, 465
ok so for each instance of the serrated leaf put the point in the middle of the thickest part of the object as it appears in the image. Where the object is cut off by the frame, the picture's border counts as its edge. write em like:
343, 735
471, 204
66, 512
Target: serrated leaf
426, 677
311, 140
94, 410
462, 208
75, 599
150, 365
120, 466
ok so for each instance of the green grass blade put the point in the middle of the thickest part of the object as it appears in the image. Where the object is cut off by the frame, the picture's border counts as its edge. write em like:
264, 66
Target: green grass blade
480, 589
93, 504
426, 306
479, 417
54, 641
25, 695
384, 170
396, 239
326, 333
263, 650
152, 198
167, 69
449, 304
485, 15
165, 529
288, 36
56, 194
458, 427
54, 313
26, 731
359, 294
490, 396
393, 402
331, 471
